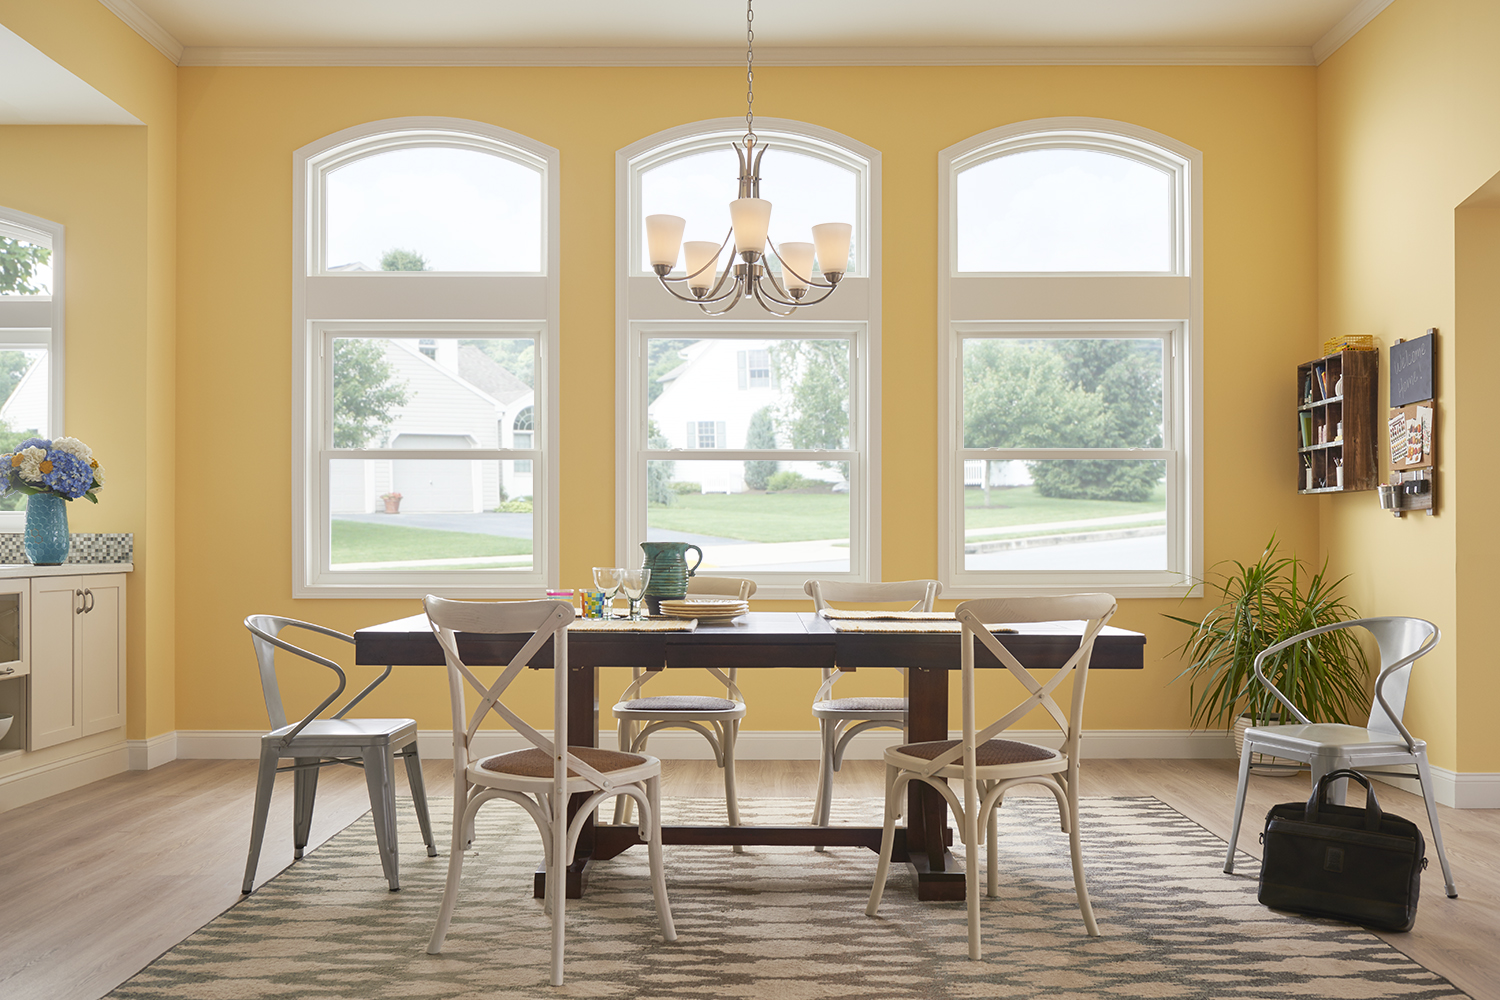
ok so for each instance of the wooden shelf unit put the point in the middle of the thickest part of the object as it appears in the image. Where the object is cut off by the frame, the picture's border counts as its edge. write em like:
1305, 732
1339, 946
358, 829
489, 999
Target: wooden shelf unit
1334, 428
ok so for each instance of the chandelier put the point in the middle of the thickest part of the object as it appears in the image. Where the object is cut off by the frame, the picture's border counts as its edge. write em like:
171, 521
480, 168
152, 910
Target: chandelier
749, 223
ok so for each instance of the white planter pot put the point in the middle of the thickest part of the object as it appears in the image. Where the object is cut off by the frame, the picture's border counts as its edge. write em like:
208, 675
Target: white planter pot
1261, 763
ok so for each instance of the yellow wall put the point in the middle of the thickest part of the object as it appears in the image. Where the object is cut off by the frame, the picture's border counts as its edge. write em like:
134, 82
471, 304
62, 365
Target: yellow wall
114, 187
238, 128
1408, 129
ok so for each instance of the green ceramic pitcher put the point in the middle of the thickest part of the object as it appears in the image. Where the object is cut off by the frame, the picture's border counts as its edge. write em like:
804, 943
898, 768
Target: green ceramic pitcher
667, 562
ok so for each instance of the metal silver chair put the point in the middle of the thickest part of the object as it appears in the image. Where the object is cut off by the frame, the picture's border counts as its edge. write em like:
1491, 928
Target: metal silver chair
1383, 741
842, 719
314, 743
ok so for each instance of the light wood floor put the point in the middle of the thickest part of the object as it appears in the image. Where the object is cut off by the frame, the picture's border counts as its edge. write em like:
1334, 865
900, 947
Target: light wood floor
97, 882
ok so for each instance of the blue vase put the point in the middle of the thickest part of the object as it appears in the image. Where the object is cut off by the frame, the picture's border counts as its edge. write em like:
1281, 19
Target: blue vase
47, 539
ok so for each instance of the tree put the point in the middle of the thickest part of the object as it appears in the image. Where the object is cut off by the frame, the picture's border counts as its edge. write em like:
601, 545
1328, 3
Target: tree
760, 434
366, 392
659, 474
663, 356
398, 259
515, 355
814, 376
19, 263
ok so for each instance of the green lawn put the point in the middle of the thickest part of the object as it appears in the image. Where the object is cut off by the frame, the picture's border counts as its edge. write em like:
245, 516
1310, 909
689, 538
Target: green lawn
360, 541
1023, 505
757, 517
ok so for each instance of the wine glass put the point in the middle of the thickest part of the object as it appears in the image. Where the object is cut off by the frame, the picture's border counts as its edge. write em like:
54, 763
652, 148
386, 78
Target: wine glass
634, 585
607, 579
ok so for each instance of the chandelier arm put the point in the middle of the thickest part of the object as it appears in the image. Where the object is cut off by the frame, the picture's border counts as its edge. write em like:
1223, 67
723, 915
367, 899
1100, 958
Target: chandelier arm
693, 299
734, 301
762, 298
812, 282
797, 303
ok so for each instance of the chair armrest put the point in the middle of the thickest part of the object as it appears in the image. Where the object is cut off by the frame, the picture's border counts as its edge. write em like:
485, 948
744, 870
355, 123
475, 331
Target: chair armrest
360, 697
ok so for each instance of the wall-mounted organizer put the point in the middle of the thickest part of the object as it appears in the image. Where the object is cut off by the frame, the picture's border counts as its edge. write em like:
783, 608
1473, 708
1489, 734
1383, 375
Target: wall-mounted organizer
1410, 427
1336, 427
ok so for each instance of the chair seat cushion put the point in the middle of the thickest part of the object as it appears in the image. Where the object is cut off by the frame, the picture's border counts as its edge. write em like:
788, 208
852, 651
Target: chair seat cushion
535, 763
987, 754
679, 703
859, 705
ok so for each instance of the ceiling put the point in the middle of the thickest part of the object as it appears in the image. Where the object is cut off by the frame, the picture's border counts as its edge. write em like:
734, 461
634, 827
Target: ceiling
711, 31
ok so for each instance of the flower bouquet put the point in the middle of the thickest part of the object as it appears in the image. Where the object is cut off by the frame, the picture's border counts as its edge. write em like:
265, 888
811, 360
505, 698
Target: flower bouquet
64, 467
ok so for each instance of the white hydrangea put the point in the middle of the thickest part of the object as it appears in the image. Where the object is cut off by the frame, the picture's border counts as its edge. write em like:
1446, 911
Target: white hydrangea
98, 479
30, 464
73, 447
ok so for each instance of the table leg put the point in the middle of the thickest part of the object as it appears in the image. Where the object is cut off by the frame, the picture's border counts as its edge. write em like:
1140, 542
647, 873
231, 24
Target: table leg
927, 831
583, 731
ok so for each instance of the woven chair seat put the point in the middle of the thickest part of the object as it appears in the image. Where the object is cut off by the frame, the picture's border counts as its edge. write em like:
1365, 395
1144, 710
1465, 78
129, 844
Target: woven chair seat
535, 763
862, 705
987, 754
680, 703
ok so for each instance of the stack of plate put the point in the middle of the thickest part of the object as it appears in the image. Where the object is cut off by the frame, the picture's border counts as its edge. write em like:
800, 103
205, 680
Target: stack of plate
706, 610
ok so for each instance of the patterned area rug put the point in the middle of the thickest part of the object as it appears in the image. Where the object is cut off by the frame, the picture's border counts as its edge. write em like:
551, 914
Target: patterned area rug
785, 923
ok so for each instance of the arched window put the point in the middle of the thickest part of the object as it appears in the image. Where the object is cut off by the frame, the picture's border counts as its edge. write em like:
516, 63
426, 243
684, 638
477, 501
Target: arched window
1071, 311
31, 338
407, 454
520, 434
723, 413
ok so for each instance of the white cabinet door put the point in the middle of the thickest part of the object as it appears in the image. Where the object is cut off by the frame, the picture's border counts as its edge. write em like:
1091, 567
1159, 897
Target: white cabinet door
99, 653
53, 697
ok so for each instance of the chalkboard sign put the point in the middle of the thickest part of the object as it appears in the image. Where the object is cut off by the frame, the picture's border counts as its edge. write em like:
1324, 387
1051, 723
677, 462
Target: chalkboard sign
1411, 370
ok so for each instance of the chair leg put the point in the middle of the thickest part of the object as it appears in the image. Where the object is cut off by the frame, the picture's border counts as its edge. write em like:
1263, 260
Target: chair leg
1075, 842
971, 861
304, 791
455, 873
418, 786
377, 762
728, 734
823, 802
265, 781
658, 870
992, 851
626, 739
1425, 776
1239, 809
887, 843
557, 881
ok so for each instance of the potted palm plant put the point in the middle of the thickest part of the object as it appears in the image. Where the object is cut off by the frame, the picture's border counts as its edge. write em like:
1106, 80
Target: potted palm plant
1261, 604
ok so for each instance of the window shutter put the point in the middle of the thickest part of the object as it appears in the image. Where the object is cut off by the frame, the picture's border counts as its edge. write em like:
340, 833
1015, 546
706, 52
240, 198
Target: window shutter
720, 437
692, 434
742, 364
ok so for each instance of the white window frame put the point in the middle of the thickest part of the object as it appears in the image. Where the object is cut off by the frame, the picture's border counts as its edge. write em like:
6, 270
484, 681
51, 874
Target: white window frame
645, 311
467, 305
32, 321
1085, 305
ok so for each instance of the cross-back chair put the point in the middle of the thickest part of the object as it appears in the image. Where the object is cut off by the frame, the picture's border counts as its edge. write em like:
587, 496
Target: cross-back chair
545, 777
714, 718
989, 767
314, 743
842, 719
1383, 741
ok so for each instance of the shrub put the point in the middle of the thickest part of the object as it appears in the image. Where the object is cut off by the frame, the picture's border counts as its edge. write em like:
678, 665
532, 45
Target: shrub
789, 480
684, 489
760, 434
520, 505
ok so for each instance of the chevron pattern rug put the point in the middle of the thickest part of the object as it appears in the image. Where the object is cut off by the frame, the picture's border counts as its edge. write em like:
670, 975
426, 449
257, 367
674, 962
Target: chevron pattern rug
786, 923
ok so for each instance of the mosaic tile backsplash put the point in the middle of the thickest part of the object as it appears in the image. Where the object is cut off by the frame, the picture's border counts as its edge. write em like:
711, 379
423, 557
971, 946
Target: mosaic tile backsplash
86, 547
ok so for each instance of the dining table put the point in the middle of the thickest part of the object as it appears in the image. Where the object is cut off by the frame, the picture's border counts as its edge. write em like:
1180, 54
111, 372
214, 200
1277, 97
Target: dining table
770, 640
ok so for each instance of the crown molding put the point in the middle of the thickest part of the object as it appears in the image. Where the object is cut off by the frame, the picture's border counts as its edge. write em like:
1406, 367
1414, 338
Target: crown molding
767, 56
1346, 29
146, 26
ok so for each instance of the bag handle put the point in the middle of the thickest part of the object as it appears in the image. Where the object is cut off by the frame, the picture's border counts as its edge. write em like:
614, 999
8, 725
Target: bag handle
1373, 812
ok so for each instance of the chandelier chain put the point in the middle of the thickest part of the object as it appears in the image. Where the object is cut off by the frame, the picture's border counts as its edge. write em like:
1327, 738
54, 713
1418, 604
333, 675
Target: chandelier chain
749, 73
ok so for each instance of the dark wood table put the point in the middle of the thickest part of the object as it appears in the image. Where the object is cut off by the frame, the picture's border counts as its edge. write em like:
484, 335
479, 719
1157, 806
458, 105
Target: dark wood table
759, 640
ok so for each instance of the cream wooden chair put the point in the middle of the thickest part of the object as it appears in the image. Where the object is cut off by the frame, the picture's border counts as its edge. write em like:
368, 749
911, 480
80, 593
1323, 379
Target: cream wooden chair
842, 719
715, 719
1383, 741
313, 744
989, 767
544, 778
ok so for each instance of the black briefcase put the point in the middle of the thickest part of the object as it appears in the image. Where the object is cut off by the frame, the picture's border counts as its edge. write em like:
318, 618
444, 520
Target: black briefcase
1360, 865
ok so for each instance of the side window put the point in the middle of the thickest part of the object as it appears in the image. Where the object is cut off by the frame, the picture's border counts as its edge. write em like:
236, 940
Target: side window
425, 458
1071, 452
751, 431
31, 338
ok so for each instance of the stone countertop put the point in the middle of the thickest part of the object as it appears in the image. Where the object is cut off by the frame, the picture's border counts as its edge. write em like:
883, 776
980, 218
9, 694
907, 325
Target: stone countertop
11, 571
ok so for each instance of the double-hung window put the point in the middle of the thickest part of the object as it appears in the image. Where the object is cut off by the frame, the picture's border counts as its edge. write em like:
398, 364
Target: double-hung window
1071, 322
31, 338
755, 437
425, 304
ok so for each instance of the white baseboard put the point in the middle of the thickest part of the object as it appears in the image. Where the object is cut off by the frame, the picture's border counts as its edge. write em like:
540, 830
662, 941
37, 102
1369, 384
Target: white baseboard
146, 754
61, 775
1461, 790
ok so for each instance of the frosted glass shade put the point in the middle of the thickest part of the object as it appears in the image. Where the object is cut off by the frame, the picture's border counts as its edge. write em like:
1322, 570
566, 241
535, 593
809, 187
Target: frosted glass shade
832, 239
796, 259
664, 238
750, 217
698, 253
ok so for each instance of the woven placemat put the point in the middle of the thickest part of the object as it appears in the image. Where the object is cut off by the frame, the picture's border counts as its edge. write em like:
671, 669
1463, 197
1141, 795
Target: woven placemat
625, 625
952, 627
901, 616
